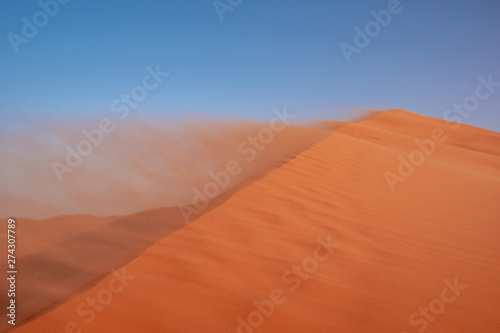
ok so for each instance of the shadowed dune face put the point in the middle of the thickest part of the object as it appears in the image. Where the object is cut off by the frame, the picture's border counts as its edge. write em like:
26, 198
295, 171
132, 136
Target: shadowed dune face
322, 244
61, 257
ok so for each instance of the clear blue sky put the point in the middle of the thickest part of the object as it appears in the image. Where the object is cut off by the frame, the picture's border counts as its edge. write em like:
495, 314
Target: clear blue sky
263, 55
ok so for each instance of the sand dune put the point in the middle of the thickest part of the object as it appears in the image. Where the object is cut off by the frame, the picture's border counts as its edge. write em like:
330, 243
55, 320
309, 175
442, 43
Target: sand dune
323, 243
63, 256
140, 166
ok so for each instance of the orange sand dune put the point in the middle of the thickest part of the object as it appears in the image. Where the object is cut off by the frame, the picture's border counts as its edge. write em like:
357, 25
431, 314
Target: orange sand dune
63, 256
141, 166
325, 244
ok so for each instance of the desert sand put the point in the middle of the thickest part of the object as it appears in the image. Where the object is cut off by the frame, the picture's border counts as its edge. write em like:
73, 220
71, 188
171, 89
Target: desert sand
336, 239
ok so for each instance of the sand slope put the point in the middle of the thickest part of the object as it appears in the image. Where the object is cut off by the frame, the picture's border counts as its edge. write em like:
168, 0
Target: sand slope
371, 257
61, 257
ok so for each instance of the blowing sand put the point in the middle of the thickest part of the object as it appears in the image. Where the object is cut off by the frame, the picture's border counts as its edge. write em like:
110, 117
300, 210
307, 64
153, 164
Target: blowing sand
322, 243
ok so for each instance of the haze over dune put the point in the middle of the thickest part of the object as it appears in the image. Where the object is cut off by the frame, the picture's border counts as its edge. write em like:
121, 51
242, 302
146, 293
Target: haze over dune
138, 165
62, 256
389, 224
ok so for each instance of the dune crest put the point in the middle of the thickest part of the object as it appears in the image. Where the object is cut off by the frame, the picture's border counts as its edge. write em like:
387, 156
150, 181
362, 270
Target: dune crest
140, 165
321, 244
63, 256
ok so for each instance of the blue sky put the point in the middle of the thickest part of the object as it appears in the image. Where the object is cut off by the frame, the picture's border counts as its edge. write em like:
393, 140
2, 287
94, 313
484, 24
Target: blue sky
262, 55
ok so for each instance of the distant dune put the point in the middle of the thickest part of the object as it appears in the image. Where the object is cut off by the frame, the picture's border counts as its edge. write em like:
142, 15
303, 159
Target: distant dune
389, 224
